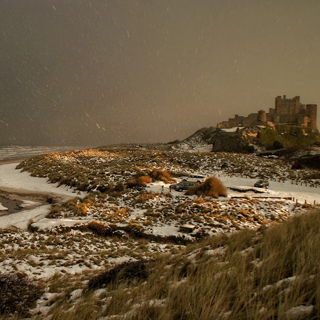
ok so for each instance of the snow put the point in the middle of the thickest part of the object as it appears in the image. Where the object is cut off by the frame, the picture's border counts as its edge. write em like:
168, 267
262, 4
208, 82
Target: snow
11, 178
2, 208
285, 189
300, 312
86, 253
165, 230
49, 223
21, 219
23, 182
15, 179
234, 129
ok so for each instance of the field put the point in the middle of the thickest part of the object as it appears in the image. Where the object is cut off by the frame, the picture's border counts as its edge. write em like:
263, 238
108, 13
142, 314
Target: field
126, 246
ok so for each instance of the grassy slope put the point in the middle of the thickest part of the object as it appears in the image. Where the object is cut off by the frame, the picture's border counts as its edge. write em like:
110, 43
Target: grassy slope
270, 274
287, 136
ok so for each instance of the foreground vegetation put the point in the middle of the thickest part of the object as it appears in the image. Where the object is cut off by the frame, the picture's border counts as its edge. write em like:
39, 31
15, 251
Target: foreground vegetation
246, 258
269, 274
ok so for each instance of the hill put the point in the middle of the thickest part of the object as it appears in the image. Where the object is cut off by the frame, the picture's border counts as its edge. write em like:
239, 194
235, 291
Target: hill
248, 139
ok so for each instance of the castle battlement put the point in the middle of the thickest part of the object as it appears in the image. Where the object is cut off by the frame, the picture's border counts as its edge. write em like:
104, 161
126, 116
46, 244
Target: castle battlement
285, 111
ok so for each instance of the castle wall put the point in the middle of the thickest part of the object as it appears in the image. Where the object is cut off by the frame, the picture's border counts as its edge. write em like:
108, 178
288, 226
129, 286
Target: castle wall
287, 107
285, 111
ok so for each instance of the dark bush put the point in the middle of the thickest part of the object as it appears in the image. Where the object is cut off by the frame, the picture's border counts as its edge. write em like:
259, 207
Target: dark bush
119, 187
127, 271
18, 294
277, 145
100, 229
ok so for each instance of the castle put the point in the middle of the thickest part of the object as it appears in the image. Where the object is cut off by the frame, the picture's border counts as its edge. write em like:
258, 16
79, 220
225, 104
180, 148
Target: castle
285, 111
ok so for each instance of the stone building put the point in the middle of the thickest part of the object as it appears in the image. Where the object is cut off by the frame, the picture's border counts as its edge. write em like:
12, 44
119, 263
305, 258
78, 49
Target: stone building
285, 111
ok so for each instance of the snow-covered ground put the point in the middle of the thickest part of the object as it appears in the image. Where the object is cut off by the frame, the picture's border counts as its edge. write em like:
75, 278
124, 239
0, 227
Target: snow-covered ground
23, 182
12, 178
283, 190
277, 189
155, 212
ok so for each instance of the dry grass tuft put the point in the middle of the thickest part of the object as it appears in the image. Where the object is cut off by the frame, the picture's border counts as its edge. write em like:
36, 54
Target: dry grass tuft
212, 187
100, 228
161, 175
139, 181
144, 180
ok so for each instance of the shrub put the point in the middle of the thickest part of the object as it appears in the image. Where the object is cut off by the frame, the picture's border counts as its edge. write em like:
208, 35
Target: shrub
119, 187
145, 197
161, 175
100, 228
17, 293
127, 271
138, 181
143, 180
212, 187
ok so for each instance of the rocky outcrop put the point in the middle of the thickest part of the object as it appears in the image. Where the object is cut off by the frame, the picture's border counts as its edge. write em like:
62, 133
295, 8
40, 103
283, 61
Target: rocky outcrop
213, 139
230, 142
247, 139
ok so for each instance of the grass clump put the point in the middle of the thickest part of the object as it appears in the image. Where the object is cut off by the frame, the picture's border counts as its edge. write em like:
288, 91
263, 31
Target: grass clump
17, 294
161, 175
212, 187
139, 181
127, 271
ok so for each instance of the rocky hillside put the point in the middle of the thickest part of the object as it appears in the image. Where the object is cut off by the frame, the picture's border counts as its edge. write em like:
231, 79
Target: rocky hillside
247, 139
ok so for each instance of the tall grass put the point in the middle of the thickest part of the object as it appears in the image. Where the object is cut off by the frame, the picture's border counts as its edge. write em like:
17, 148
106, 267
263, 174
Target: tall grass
266, 274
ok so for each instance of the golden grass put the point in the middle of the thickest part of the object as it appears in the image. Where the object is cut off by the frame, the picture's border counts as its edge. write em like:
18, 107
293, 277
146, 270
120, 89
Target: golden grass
162, 175
212, 187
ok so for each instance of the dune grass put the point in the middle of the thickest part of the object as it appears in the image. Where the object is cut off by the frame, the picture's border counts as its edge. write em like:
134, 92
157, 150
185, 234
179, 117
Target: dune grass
272, 273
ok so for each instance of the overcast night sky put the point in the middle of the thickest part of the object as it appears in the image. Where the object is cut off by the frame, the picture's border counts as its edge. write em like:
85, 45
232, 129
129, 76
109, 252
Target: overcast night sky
96, 72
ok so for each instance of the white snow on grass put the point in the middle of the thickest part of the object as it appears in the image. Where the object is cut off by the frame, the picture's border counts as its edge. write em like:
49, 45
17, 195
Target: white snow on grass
165, 230
21, 219
49, 223
15, 179
12, 178
277, 189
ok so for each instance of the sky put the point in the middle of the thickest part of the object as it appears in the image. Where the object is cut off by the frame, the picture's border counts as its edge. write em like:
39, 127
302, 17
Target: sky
97, 72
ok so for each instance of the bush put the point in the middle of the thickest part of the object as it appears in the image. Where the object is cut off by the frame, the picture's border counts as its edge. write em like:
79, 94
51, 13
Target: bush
119, 187
143, 180
138, 181
17, 293
100, 228
161, 175
127, 271
212, 187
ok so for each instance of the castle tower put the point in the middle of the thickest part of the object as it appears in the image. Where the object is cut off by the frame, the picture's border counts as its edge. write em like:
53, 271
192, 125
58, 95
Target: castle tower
262, 116
312, 114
